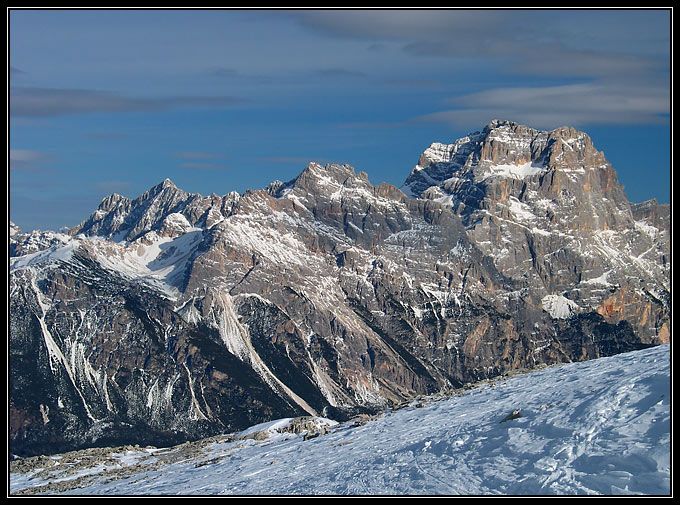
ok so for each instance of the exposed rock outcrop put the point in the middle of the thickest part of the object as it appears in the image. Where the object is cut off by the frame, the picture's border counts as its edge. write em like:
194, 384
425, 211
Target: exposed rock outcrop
176, 316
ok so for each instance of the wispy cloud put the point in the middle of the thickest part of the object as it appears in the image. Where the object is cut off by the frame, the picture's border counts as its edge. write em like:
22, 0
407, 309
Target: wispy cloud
284, 159
224, 72
233, 74
563, 61
295, 159
339, 72
46, 102
554, 106
28, 161
200, 165
298, 160
576, 42
195, 155
415, 83
377, 25
373, 125
204, 166
112, 186
108, 135
620, 57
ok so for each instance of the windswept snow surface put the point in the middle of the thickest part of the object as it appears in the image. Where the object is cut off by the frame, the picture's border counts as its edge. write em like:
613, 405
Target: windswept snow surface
596, 427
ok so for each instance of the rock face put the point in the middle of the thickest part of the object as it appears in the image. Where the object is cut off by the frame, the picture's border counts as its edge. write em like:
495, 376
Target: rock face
176, 316
548, 209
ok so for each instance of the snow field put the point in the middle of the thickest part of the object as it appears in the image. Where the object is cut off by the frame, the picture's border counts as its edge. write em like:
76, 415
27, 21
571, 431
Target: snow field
595, 427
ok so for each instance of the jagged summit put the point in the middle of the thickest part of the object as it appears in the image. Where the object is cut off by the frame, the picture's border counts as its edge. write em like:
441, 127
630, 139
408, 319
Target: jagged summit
316, 177
503, 149
173, 315
548, 199
13, 229
120, 218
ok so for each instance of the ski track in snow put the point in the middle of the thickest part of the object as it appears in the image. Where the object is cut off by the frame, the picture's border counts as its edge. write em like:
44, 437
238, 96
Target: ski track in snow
595, 427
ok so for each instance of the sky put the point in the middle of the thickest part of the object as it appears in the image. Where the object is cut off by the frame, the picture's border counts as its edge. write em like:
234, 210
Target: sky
108, 101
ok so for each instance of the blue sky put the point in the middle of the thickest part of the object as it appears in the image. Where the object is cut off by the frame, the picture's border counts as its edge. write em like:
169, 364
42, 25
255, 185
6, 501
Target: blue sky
105, 101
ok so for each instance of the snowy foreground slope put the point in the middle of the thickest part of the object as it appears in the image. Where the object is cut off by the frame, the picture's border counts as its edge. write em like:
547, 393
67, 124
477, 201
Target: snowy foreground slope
595, 427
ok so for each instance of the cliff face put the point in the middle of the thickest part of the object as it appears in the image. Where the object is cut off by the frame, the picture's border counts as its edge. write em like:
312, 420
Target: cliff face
175, 316
548, 208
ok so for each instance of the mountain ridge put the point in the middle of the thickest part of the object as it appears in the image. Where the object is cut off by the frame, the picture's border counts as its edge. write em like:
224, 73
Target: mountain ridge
174, 314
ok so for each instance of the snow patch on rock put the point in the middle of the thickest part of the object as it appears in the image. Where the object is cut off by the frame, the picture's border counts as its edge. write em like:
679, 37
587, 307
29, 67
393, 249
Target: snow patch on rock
559, 307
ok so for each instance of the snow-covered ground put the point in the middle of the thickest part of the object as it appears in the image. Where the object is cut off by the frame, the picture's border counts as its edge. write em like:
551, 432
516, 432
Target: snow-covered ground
596, 427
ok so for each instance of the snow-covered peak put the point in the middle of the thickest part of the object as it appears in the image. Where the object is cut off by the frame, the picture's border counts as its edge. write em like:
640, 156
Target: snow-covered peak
35, 241
168, 183
13, 229
162, 191
322, 178
119, 218
503, 149
163, 185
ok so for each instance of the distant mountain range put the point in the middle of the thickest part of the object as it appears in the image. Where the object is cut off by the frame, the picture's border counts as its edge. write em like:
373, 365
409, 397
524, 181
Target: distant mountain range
176, 316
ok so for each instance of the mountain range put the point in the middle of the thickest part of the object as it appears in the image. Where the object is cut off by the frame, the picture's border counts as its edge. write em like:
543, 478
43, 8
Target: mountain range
176, 316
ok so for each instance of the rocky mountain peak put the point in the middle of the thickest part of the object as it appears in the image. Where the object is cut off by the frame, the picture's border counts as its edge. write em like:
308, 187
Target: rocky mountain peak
112, 201
163, 192
121, 218
14, 229
503, 149
508, 159
167, 183
322, 179
179, 316
548, 199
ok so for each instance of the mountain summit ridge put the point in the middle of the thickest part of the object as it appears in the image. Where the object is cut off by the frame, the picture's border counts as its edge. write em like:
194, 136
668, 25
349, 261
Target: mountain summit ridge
175, 316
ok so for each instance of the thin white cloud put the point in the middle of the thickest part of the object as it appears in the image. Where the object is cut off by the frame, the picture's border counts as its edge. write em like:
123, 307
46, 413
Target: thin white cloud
624, 55
236, 75
112, 186
401, 24
204, 166
554, 106
108, 135
623, 46
26, 160
46, 102
340, 72
195, 155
